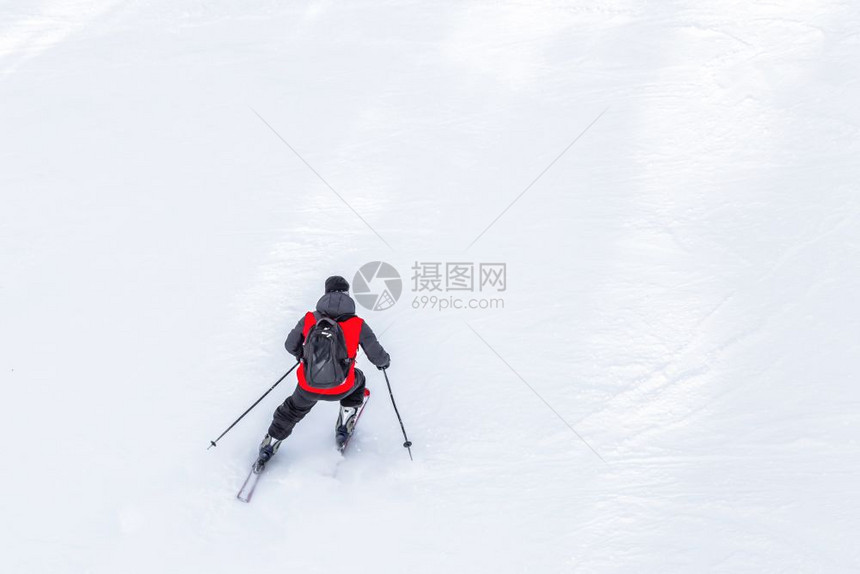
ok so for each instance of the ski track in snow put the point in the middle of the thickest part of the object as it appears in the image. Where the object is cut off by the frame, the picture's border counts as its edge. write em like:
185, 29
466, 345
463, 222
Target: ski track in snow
682, 284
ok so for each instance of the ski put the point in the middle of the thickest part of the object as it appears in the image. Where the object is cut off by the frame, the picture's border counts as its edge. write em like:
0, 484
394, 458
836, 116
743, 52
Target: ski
250, 483
247, 490
341, 446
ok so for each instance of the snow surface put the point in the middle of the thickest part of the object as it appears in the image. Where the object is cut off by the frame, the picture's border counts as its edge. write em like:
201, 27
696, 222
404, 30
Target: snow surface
683, 283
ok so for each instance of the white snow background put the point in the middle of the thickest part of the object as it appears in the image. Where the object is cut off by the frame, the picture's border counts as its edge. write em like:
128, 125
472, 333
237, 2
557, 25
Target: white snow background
682, 283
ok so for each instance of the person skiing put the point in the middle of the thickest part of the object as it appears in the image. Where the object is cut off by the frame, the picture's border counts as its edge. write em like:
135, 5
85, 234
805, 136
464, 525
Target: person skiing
326, 343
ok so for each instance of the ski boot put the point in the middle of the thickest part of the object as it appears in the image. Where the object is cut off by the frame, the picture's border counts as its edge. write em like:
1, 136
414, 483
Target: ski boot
345, 424
268, 448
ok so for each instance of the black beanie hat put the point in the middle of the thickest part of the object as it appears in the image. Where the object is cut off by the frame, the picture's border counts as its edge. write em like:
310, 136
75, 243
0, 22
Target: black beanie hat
336, 283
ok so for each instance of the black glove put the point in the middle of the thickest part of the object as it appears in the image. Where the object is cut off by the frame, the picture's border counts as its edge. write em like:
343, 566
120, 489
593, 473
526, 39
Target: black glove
385, 366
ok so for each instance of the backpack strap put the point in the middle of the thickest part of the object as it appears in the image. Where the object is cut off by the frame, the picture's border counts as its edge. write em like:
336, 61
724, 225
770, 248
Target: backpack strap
310, 321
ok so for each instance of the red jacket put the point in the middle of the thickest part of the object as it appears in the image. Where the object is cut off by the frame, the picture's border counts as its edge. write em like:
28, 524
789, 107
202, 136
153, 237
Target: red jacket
339, 306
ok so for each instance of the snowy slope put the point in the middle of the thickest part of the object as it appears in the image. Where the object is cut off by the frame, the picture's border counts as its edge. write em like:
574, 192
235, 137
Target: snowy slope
682, 283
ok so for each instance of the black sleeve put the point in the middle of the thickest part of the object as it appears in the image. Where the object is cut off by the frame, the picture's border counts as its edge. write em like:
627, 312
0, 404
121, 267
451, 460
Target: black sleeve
372, 348
295, 339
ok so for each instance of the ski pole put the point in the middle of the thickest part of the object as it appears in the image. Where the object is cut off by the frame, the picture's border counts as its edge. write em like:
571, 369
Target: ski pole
213, 442
408, 443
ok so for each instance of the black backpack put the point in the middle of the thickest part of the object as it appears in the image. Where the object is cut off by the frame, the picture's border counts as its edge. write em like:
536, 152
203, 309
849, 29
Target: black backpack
326, 362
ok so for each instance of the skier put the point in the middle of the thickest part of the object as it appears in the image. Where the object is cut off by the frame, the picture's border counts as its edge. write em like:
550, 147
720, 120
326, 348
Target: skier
326, 342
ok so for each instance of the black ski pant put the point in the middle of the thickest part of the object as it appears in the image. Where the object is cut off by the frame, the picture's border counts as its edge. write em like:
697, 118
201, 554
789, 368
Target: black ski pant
301, 402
